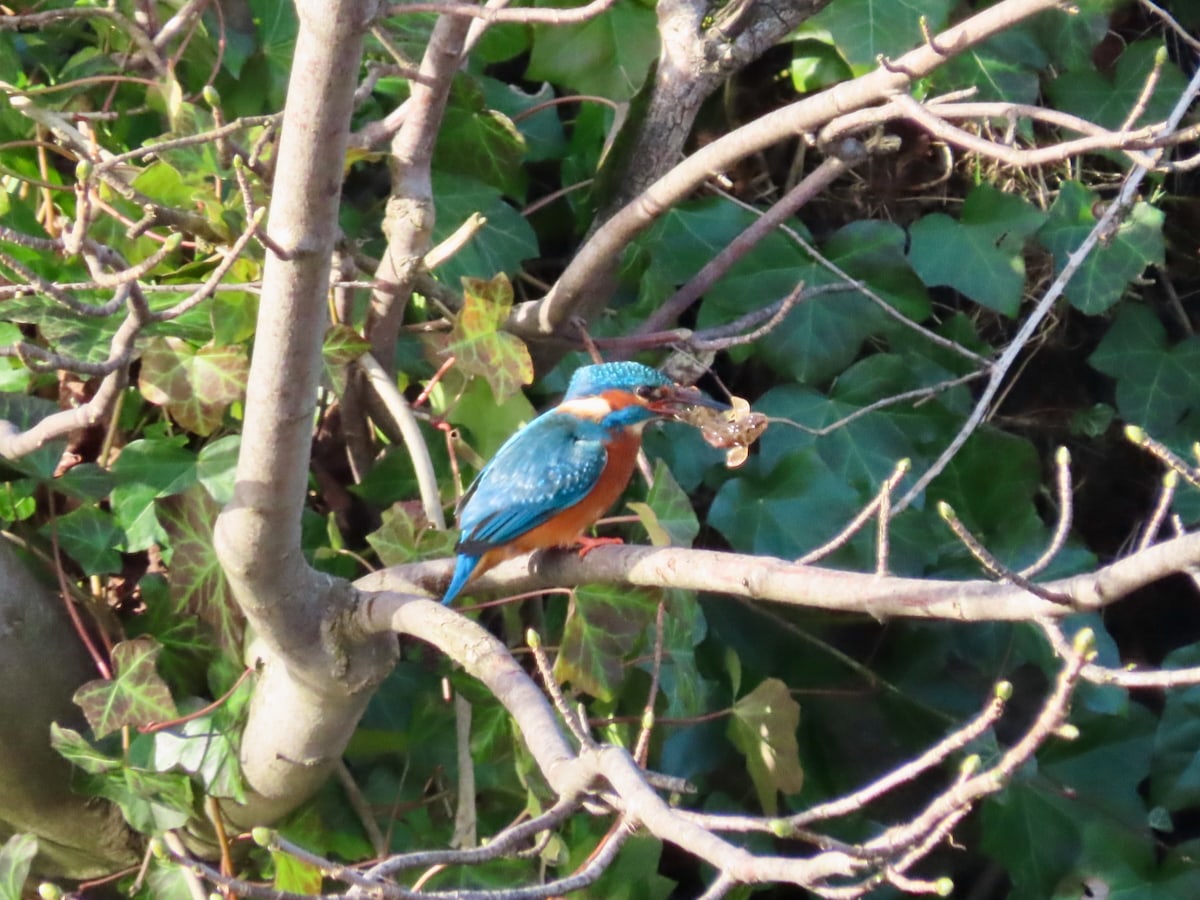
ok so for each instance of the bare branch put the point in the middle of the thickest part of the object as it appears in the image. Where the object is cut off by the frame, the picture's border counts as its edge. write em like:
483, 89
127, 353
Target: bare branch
779, 581
1108, 221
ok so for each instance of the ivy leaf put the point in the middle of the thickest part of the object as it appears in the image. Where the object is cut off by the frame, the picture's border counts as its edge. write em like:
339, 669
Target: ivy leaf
198, 585
979, 256
480, 142
342, 346
763, 728
89, 536
606, 56
479, 345
74, 747
216, 467
205, 749
1156, 384
667, 514
16, 859
1175, 768
502, 243
785, 510
145, 470
684, 627
864, 29
1108, 99
135, 695
150, 802
296, 875
1105, 274
603, 627
1033, 835
406, 535
194, 385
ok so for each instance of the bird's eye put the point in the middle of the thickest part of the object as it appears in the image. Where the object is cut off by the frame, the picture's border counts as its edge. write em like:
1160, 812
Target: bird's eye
647, 392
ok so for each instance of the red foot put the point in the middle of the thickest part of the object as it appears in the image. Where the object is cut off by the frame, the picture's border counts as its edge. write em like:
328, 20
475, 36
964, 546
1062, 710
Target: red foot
588, 544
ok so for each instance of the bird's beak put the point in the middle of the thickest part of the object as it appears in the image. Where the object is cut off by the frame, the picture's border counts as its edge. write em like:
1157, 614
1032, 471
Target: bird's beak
678, 399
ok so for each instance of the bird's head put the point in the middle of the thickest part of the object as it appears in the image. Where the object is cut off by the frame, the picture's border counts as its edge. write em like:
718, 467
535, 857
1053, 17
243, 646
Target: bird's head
624, 394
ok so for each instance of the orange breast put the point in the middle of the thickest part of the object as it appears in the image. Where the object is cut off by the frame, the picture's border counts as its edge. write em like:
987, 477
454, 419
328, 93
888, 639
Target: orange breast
565, 527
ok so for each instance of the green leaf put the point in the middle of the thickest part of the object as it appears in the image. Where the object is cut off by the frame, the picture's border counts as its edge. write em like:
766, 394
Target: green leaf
874, 252
16, 859
479, 345
1107, 99
406, 536
24, 412
195, 385
216, 467
296, 875
489, 422
135, 695
1104, 276
686, 690
864, 29
150, 802
1033, 835
608, 55
603, 628
342, 346
783, 511
541, 131
74, 747
480, 142
816, 65
667, 513
1175, 768
763, 728
147, 469
206, 748
89, 536
981, 255
198, 585
1156, 384
500, 246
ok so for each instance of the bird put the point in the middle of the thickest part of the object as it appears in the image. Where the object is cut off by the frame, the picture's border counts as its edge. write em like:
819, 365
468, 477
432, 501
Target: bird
560, 473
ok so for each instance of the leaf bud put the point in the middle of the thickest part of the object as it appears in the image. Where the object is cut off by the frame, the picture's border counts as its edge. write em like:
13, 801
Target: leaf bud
1084, 642
262, 835
1067, 732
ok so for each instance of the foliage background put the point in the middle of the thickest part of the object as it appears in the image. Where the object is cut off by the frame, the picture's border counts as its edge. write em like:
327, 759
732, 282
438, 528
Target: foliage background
953, 242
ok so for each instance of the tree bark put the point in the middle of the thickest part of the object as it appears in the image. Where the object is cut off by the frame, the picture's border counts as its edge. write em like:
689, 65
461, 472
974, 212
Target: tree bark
41, 664
316, 680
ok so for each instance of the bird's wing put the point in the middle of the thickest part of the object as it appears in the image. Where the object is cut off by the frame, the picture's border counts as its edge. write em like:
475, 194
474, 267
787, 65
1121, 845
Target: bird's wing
546, 467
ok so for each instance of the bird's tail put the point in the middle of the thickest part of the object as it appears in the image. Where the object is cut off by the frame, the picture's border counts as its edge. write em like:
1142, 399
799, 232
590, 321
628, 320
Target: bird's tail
464, 568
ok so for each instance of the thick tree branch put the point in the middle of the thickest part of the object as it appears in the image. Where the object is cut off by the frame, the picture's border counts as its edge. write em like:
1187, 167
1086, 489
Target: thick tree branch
591, 264
314, 685
779, 581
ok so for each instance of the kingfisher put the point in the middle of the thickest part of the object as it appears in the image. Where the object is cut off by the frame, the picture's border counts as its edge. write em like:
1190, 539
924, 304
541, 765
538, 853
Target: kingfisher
555, 477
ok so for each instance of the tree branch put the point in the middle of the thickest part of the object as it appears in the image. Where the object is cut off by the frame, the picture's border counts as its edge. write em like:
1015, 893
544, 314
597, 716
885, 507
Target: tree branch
314, 684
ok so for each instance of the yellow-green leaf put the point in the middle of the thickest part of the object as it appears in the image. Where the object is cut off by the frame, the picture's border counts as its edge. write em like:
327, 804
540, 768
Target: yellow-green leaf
763, 728
479, 345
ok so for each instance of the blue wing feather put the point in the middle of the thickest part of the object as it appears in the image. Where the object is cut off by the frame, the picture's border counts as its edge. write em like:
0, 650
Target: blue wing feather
546, 467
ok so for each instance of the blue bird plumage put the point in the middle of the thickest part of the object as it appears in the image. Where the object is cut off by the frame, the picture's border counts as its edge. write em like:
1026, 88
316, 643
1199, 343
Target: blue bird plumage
558, 474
